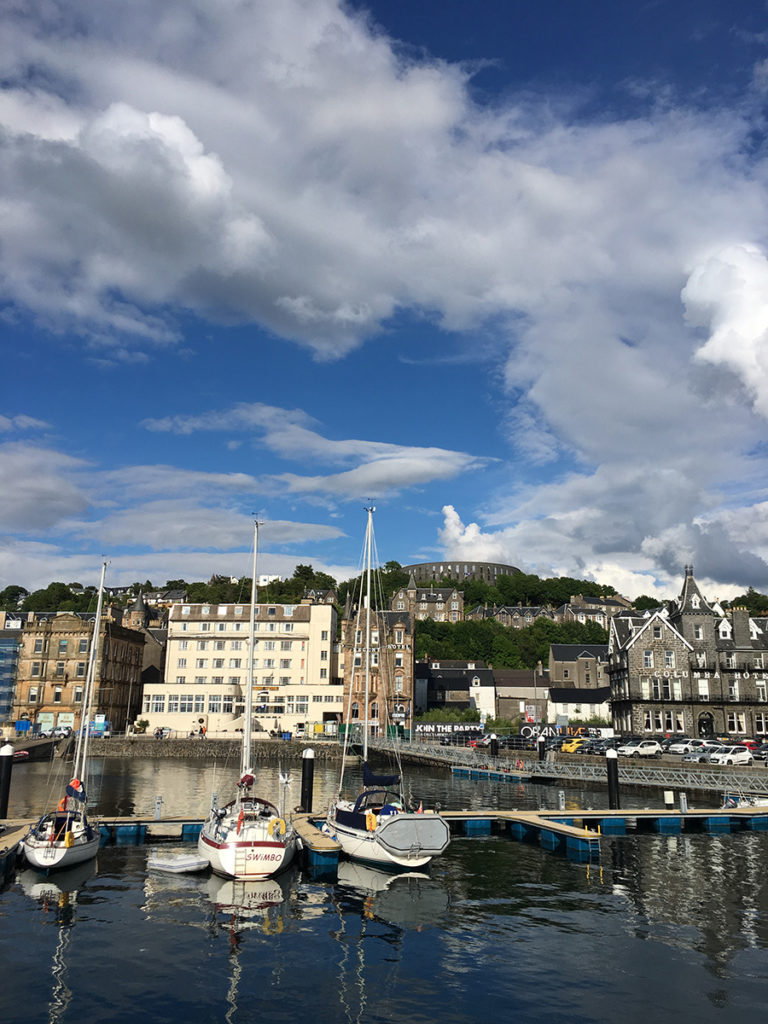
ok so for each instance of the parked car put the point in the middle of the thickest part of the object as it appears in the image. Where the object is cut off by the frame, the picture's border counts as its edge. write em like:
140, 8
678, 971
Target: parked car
702, 753
760, 753
668, 741
640, 748
572, 743
738, 754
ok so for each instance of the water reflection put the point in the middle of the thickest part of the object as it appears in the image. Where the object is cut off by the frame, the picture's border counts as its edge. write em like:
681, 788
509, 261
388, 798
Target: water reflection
57, 897
408, 899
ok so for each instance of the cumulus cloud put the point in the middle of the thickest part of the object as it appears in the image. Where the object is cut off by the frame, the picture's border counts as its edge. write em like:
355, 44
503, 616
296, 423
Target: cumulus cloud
38, 487
727, 295
288, 165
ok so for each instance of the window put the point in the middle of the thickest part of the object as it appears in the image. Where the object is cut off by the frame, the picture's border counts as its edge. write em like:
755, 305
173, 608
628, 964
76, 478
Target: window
733, 689
703, 689
181, 680
205, 627
234, 662
35, 668
33, 695
647, 659
173, 702
374, 711
324, 634
201, 663
214, 704
234, 680
235, 645
183, 645
285, 645
736, 722
285, 663
669, 659
398, 684
269, 645
220, 645
186, 703
227, 704
355, 712
218, 663
698, 632
657, 632
62, 647
199, 703
59, 668
38, 646
760, 687
157, 702
78, 695
323, 673
323, 655
217, 680
202, 645
82, 646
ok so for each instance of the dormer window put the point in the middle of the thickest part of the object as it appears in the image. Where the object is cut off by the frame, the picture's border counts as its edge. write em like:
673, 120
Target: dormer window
695, 601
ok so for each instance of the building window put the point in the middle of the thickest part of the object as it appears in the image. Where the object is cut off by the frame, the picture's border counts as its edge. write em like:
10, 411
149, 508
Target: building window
323, 673
703, 689
62, 647
181, 680
736, 722
214, 704
36, 668
59, 668
669, 659
355, 713
83, 646
647, 659
182, 662
760, 687
80, 670
78, 695
698, 632
733, 689
157, 703
38, 646
657, 632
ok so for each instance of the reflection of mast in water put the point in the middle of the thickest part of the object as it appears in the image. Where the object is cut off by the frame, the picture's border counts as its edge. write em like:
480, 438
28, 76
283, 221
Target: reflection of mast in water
240, 906
404, 900
58, 895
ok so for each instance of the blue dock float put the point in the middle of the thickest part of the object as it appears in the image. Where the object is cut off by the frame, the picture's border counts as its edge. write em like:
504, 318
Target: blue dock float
717, 825
489, 774
613, 826
668, 826
757, 824
477, 827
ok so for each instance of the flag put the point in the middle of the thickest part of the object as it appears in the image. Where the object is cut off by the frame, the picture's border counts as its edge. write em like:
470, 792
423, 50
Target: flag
76, 789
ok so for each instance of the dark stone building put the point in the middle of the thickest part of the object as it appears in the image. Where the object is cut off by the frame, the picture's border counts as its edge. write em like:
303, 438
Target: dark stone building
689, 668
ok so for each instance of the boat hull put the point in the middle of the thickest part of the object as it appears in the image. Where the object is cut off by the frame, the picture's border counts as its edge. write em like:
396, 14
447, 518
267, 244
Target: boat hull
400, 840
48, 849
247, 845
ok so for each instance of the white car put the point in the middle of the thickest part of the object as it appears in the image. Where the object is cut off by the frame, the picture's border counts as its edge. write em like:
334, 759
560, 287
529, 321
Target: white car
690, 746
640, 748
731, 755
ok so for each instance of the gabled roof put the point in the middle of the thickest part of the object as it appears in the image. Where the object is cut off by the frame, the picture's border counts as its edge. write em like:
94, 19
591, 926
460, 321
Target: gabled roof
691, 600
564, 695
572, 652
641, 626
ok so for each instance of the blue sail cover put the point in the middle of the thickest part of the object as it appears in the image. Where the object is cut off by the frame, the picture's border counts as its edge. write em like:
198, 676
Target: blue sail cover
76, 789
369, 779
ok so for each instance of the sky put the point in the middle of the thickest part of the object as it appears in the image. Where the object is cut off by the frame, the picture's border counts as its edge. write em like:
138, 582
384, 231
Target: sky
498, 268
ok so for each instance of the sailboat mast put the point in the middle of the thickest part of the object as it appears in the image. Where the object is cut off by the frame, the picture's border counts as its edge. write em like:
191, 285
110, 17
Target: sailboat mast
246, 753
81, 752
368, 546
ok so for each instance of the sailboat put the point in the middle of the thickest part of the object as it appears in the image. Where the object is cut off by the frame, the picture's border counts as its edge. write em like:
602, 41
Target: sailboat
65, 837
376, 826
248, 838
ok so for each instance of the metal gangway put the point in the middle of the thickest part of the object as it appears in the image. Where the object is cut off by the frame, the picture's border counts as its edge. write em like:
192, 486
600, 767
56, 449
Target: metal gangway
663, 774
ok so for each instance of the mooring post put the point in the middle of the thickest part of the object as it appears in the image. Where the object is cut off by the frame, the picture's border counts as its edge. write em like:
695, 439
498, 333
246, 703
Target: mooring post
307, 779
6, 767
612, 764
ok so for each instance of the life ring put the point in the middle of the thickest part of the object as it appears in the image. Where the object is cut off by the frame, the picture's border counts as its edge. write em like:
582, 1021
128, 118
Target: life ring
276, 825
63, 804
240, 820
371, 821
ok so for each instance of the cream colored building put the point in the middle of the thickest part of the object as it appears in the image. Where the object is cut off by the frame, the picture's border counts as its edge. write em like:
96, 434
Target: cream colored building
295, 685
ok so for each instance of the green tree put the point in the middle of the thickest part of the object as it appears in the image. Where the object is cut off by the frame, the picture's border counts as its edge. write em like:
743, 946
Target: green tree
646, 603
10, 596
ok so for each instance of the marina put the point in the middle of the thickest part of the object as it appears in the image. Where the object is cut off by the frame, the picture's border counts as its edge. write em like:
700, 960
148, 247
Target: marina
500, 920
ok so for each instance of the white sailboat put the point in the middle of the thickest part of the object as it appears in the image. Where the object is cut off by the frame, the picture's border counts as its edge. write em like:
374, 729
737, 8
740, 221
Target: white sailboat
375, 826
248, 838
65, 837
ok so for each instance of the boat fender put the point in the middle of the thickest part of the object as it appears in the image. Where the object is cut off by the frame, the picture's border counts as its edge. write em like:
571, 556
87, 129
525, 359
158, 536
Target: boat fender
371, 821
240, 820
276, 825
69, 840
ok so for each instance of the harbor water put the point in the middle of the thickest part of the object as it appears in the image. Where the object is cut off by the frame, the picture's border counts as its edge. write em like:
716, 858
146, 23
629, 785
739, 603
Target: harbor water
660, 928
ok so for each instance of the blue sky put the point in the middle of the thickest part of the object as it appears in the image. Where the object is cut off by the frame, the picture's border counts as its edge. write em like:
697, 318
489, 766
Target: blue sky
499, 267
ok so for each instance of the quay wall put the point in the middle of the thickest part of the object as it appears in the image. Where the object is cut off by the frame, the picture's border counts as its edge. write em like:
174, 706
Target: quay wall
210, 750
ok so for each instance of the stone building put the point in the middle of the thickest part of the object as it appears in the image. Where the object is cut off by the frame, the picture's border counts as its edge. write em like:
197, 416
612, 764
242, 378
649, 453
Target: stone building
389, 664
514, 616
434, 572
53, 664
592, 609
579, 665
689, 668
295, 684
441, 604
451, 685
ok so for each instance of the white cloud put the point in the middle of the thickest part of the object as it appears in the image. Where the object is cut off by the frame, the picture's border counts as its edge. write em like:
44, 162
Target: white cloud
38, 486
727, 294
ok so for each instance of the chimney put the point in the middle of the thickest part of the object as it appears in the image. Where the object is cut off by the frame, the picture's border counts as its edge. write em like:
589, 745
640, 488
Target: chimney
740, 621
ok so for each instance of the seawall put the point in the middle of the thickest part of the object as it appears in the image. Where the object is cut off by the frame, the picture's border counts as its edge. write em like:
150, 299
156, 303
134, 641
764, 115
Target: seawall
211, 750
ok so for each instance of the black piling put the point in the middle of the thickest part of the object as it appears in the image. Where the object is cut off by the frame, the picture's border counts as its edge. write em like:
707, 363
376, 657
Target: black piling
307, 779
6, 767
612, 765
